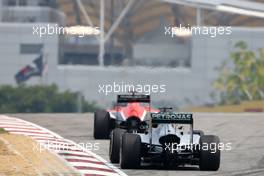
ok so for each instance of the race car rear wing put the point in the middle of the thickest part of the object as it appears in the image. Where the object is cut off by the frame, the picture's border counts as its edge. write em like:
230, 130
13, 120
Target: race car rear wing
133, 98
172, 117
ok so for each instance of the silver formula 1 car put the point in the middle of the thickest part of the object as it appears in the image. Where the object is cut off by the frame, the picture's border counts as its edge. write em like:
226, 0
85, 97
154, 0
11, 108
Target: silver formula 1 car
170, 141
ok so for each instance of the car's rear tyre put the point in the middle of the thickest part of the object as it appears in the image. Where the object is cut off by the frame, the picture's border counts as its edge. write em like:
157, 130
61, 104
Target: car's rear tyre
209, 153
199, 132
115, 145
102, 124
130, 151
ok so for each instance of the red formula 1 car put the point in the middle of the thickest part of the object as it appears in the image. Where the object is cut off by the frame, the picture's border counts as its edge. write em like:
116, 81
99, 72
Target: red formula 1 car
129, 114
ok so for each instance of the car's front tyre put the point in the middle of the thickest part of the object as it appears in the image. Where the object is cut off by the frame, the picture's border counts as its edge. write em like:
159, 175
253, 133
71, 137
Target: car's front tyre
102, 124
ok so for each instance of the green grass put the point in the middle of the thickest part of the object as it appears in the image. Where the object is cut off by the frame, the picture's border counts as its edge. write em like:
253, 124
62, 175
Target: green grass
2, 131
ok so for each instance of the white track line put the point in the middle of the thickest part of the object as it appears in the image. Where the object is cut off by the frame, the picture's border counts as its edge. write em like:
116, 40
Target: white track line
85, 164
76, 152
93, 172
81, 158
50, 138
57, 143
31, 134
15, 123
13, 127
24, 130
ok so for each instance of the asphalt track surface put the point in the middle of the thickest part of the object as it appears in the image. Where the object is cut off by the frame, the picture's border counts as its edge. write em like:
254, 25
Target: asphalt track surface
244, 131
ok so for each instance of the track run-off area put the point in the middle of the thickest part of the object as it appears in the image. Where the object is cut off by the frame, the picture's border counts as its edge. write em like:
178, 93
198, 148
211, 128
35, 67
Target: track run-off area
75, 159
245, 132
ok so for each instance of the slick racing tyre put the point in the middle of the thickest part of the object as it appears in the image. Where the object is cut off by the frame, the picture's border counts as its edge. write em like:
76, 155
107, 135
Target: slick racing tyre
130, 151
103, 124
115, 144
209, 153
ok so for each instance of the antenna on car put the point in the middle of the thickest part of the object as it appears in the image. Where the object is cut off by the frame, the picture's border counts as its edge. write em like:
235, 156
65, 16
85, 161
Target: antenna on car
133, 92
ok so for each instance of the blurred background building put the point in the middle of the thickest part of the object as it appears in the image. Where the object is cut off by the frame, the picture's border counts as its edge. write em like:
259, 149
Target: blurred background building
136, 52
